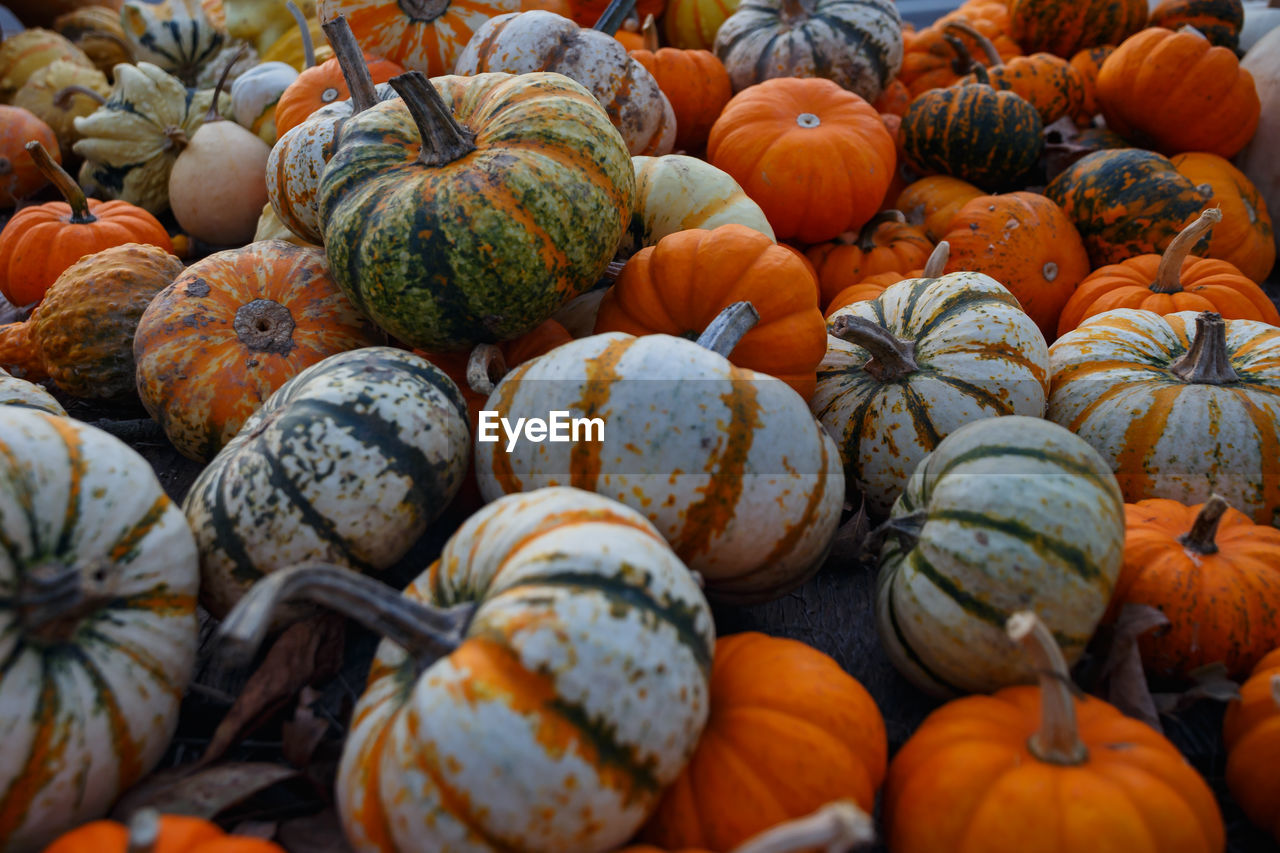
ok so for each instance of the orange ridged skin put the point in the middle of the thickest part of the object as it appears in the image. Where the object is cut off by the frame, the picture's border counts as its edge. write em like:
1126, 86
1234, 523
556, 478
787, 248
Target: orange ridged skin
1064, 27
1251, 730
322, 85
869, 288
890, 246
697, 85
178, 834
930, 62
1087, 63
1049, 82
1245, 236
934, 201
19, 176
19, 354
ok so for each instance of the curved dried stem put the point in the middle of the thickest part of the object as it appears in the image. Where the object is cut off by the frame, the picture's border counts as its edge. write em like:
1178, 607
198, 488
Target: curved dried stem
213, 114
1058, 739
1200, 538
1169, 273
937, 260
62, 99
891, 357
351, 60
728, 328
613, 15
443, 139
984, 44
66, 185
483, 364
867, 236
835, 828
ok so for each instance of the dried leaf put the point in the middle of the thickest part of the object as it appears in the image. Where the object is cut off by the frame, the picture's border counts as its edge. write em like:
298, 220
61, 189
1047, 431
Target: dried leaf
317, 833
1207, 682
201, 791
1124, 681
301, 735
850, 542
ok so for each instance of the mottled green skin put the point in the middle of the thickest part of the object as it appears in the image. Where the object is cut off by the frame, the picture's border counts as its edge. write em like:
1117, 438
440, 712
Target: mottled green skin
1220, 21
487, 247
1063, 27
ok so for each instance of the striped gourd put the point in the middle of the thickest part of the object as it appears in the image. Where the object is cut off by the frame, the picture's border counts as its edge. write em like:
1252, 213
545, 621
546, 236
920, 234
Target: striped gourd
1006, 514
1063, 27
20, 392
930, 355
98, 618
174, 35
726, 462
347, 462
546, 709
1182, 406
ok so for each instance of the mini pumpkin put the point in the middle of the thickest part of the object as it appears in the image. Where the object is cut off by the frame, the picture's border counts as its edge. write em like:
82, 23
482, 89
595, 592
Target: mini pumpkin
932, 202
885, 244
24, 53
19, 176
322, 85
1087, 63
1219, 21
97, 32
1048, 82
19, 354
694, 81
1245, 236
938, 56
149, 832
420, 35
1064, 28
175, 36
59, 93
1251, 733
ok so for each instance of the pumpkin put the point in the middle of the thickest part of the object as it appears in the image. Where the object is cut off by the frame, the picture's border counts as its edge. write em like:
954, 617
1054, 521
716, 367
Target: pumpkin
230, 330
934, 201
321, 86
291, 47
489, 266
885, 244
1171, 282
1125, 202
41, 241
1047, 766
24, 53
561, 612
871, 287
347, 463
788, 731
420, 35
695, 83
677, 192
19, 354
86, 322
1256, 159
1245, 236
1217, 20
586, 13
679, 286
693, 24
1064, 28
815, 157
524, 42
20, 392
838, 825
904, 370
96, 31
894, 100
19, 176
255, 95
724, 427
1003, 511
149, 832
1181, 406
174, 36
1087, 63
101, 573
1174, 92
1251, 733
1047, 82
60, 92
975, 132
1024, 241
938, 56
1212, 572
131, 142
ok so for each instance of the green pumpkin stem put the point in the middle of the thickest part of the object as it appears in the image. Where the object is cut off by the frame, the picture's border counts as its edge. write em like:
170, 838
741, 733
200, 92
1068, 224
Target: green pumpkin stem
839, 825
984, 44
485, 368
867, 236
66, 184
304, 29
891, 356
1169, 273
425, 632
938, 258
443, 139
1058, 739
62, 100
351, 60
613, 16
728, 328
1200, 538
144, 831
1207, 362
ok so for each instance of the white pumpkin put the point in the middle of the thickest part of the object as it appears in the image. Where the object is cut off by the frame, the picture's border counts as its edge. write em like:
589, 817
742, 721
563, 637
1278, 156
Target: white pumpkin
254, 95
20, 392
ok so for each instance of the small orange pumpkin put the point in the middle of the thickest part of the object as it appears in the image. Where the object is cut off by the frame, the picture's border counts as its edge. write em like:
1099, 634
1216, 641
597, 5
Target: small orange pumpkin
873, 286
894, 98
1219, 20
1244, 237
19, 354
321, 85
19, 176
934, 201
938, 56
1048, 82
1087, 63
154, 833
1251, 732
885, 244
694, 81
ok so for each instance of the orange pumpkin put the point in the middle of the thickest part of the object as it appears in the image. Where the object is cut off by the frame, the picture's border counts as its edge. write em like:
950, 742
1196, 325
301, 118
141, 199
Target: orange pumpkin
788, 730
1087, 63
894, 98
815, 157
1024, 241
19, 176
1169, 283
694, 81
1036, 768
1174, 92
934, 201
679, 286
885, 244
1244, 236
587, 12
1251, 733
1213, 573
873, 286
41, 241
19, 354
1049, 82
323, 84
169, 833
1219, 20
938, 56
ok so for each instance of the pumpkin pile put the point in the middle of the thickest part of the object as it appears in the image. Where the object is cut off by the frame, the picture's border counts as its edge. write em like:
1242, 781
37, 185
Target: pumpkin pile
553, 341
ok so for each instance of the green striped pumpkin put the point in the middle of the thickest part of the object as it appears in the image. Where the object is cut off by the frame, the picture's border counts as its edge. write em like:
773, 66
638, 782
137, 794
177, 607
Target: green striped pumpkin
1063, 27
1006, 514
98, 617
489, 243
904, 370
347, 462
20, 392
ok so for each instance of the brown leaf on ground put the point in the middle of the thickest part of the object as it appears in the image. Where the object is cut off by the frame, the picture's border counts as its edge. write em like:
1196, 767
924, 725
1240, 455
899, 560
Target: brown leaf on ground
1123, 680
201, 791
301, 735
317, 833
850, 544
1207, 682
264, 829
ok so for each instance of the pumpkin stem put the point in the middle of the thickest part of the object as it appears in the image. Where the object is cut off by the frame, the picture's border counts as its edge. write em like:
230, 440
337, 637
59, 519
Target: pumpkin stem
1169, 273
834, 828
613, 16
728, 328
144, 831
213, 114
794, 12
484, 362
649, 32
443, 139
984, 44
867, 236
264, 325
425, 632
62, 100
1199, 539
351, 61
1058, 740
891, 356
308, 46
938, 258
53, 598
1207, 361
66, 184
177, 137
1275, 690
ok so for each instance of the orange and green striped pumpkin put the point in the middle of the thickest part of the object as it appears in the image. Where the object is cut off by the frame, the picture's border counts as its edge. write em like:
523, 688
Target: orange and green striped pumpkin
99, 619
1220, 21
1063, 27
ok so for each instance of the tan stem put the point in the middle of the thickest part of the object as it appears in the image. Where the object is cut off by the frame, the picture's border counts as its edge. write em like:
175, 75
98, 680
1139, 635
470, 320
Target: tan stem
177, 137
62, 100
937, 260
1169, 273
891, 357
443, 139
984, 44
613, 15
728, 328
66, 184
144, 831
213, 114
1058, 739
426, 632
1200, 538
351, 61
649, 32
867, 237
1207, 362
835, 828
485, 361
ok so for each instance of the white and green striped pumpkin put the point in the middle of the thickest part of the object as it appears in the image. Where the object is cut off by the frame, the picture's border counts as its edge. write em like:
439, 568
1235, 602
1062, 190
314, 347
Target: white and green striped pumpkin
20, 392
1182, 406
254, 95
1006, 514
347, 462
905, 370
98, 576
174, 35
727, 463
540, 684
